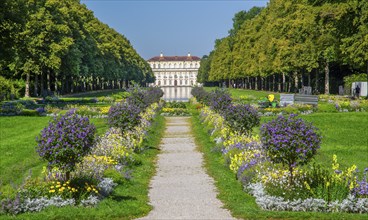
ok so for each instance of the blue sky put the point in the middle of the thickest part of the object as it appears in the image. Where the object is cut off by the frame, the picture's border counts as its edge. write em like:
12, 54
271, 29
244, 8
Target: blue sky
173, 27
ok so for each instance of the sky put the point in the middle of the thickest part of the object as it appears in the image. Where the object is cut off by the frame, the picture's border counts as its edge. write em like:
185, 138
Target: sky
173, 27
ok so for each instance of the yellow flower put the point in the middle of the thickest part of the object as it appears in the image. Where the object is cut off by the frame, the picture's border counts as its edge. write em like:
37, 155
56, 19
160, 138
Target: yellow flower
51, 187
351, 186
58, 186
52, 190
335, 164
271, 97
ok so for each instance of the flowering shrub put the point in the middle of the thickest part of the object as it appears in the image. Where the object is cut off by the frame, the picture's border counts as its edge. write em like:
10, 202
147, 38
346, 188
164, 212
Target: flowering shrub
241, 118
65, 141
361, 190
219, 100
200, 94
290, 141
124, 116
144, 98
11, 108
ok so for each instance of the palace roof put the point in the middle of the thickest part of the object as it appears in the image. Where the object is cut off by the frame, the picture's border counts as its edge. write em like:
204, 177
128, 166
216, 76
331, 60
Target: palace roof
175, 58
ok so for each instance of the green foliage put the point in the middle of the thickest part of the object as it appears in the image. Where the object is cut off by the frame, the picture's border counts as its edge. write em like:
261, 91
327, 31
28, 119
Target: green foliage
348, 80
29, 112
116, 176
175, 104
10, 89
65, 45
291, 38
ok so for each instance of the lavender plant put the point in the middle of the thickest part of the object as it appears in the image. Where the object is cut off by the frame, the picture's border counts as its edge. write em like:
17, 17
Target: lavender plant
65, 141
290, 141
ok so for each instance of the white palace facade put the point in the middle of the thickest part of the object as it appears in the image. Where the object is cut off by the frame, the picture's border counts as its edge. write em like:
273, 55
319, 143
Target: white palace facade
175, 70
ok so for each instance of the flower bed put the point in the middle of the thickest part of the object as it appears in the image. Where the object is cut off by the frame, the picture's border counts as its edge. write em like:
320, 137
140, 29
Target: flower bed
81, 173
274, 168
318, 188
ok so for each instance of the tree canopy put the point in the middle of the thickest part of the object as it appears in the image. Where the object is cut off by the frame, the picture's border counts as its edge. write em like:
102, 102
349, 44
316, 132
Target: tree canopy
60, 46
288, 43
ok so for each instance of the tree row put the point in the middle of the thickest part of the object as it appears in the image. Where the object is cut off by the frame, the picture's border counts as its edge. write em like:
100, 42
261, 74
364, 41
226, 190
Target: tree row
292, 43
59, 46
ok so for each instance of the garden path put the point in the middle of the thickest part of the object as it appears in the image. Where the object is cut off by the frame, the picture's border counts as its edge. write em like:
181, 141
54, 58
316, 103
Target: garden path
181, 188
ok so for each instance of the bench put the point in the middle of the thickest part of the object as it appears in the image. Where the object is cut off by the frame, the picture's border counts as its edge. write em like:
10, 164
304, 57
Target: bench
306, 99
289, 99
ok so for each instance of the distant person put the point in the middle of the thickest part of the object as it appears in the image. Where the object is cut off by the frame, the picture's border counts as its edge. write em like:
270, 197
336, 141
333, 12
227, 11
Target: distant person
357, 91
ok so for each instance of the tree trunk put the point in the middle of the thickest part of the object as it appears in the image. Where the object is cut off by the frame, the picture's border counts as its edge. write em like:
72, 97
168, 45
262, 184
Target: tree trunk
279, 84
56, 86
283, 82
42, 85
28, 76
316, 83
302, 79
289, 83
327, 78
309, 79
262, 82
256, 83
291, 177
296, 82
273, 82
71, 85
36, 86
48, 81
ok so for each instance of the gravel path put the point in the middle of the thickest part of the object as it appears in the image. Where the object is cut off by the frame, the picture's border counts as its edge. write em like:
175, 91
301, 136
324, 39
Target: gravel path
181, 189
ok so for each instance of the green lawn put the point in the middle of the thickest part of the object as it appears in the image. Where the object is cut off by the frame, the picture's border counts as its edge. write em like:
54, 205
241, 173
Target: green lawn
231, 191
17, 148
236, 93
93, 94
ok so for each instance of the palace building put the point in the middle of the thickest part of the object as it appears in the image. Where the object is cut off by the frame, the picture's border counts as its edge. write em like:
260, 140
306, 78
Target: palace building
175, 70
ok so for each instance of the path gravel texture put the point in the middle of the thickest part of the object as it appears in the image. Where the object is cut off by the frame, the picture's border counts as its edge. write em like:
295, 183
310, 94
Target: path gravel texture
181, 188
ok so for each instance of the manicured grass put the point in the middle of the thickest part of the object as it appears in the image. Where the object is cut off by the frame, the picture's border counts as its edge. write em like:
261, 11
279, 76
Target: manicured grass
231, 192
94, 94
17, 148
343, 134
128, 201
236, 93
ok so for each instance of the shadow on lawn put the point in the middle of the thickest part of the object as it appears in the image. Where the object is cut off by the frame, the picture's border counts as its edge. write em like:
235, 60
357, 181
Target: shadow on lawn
120, 198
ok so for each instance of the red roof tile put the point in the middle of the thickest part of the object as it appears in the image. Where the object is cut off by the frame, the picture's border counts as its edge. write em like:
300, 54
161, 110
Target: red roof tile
175, 58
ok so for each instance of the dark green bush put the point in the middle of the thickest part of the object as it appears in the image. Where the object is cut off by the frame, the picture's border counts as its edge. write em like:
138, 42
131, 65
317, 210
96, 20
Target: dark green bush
29, 112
